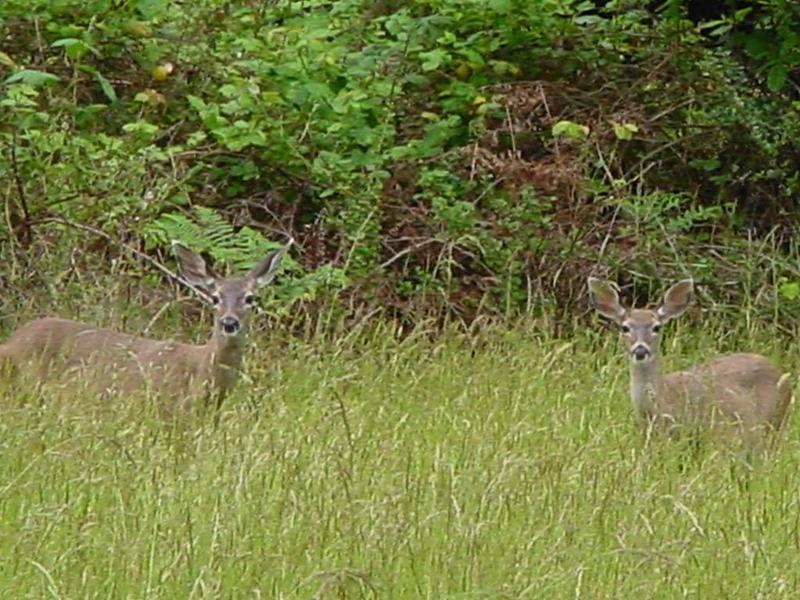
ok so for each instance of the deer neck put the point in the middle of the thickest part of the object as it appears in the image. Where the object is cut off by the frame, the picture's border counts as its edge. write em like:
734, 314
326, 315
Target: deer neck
647, 388
224, 359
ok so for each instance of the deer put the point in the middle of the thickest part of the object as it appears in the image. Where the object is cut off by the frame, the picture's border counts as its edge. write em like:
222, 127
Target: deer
179, 374
744, 392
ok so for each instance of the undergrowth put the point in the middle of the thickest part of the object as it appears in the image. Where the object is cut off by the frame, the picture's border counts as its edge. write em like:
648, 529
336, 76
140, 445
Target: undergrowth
451, 158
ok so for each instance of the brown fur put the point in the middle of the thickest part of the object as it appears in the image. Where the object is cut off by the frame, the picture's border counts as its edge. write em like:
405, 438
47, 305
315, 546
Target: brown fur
107, 361
744, 391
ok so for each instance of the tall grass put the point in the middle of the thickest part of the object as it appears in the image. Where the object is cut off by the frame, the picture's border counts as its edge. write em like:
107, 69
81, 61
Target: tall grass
502, 467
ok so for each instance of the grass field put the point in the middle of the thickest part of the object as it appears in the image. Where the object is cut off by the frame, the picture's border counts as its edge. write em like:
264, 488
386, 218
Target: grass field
503, 467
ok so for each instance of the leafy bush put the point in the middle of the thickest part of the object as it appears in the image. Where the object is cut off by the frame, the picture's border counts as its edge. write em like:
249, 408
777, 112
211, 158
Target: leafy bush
427, 156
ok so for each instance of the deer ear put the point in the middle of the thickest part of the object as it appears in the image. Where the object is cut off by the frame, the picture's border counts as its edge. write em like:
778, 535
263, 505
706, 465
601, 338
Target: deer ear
676, 300
605, 300
193, 267
265, 271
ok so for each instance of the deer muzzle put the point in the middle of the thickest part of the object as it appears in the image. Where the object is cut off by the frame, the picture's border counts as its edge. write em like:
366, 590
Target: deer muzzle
230, 325
640, 353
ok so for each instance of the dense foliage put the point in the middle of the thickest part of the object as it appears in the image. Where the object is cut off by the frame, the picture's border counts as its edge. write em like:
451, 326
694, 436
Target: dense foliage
432, 155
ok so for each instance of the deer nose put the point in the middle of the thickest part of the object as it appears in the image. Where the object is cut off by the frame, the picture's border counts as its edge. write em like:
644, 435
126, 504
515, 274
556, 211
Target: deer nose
640, 353
229, 324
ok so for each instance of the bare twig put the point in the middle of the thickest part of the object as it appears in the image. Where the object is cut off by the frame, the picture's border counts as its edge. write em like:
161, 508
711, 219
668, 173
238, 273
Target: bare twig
659, 150
512, 132
21, 197
474, 162
156, 317
607, 237
307, 126
138, 253
408, 250
23, 200
670, 109
549, 116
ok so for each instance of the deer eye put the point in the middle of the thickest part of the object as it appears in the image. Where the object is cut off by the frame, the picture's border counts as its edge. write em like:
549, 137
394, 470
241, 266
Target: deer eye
249, 299
625, 329
215, 299
656, 327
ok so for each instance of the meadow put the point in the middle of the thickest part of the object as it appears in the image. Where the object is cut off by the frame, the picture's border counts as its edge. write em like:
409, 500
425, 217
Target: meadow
504, 464
447, 158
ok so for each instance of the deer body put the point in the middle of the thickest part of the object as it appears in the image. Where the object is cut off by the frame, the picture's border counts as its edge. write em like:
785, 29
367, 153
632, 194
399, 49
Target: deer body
61, 350
743, 391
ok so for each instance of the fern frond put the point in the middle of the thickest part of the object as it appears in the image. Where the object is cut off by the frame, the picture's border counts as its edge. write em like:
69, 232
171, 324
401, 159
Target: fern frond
205, 230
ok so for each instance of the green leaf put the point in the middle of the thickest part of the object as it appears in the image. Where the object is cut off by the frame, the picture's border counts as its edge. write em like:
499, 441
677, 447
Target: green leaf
32, 78
700, 164
717, 27
196, 103
66, 42
74, 47
776, 77
106, 86
570, 129
501, 6
625, 131
790, 290
141, 129
6, 60
152, 8
196, 138
758, 43
434, 59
